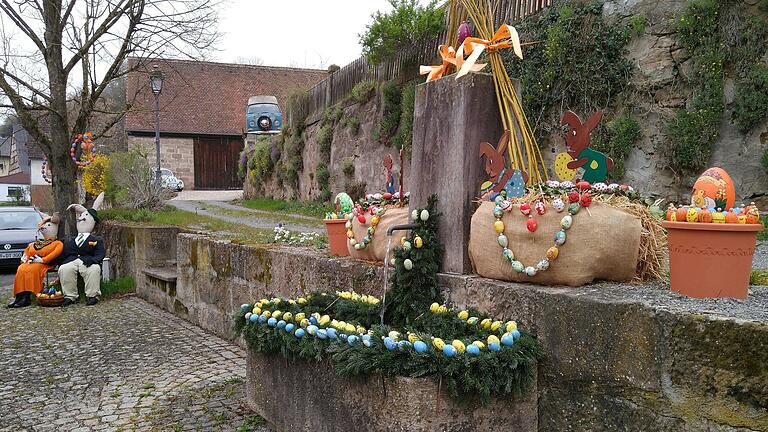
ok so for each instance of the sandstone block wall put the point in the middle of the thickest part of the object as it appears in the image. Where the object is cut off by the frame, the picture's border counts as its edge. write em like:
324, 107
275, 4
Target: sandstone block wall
176, 154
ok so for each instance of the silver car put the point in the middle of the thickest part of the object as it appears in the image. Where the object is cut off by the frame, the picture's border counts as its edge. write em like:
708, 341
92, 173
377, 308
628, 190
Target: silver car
170, 181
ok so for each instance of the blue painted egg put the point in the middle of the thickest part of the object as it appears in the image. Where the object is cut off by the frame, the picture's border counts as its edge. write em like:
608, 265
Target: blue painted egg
289, 327
281, 324
494, 346
515, 334
254, 318
560, 238
497, 212
473, 349
262, 319
390, 343
313, 320
449, 351
403, 344
272, 322
507, 340
299, 333
331, 332
420, 347
248, 316
322, 334
352, 339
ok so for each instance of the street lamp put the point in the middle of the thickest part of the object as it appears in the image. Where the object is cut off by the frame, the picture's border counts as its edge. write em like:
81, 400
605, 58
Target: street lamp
156, 82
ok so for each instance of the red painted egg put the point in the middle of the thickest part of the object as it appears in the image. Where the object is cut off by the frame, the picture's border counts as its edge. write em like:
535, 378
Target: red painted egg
586, 199
573, 196
681, 214
540, 208
705, 216
731, 218
583, 185
532, 225
387, 196
361, 218
525, 209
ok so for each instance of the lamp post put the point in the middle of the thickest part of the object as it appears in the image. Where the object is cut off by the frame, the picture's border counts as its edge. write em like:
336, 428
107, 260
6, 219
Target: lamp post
156, 82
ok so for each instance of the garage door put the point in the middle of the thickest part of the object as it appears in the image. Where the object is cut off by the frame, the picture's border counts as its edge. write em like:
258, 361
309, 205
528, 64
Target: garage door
216, 160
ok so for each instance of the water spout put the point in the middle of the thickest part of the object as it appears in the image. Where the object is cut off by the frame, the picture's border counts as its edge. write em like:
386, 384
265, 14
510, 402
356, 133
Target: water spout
402, 227
390, 230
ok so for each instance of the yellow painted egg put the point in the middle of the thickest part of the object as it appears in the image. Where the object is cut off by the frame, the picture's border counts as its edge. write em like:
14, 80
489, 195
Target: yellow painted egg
287, 316
496, 325
277, 314
552, 253
438, 343
350, 234
493, 339
463, 315
324, 320
718, 217
458, 345
434, 307
498, 226
349, 328
561, 167
442, 309
267, 314
692, 215
299, 316
742, 218
478, 344
418, 242
256, 311
375, 220
412, 337
304, 323
301, 301
511, 325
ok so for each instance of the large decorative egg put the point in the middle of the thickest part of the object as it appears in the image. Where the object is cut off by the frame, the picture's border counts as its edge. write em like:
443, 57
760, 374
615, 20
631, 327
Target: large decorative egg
558, 204
552, 253
518, 266
345, 202
566, 222
420, 347
560, 238
714, 188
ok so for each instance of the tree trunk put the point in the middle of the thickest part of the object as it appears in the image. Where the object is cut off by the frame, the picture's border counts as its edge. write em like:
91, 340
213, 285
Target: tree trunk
63, 171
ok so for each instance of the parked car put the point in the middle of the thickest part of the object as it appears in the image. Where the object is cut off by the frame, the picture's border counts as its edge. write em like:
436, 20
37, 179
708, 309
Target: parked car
170, 181
263, 116
18, 228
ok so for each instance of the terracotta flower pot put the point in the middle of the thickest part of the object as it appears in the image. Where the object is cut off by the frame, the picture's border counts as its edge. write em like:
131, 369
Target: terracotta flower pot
708, 260
337, 236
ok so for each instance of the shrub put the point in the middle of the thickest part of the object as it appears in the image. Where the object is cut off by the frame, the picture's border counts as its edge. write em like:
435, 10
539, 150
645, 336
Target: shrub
323, 177
324, 140
333, 114
408, 24
390, 120
617, 140
260, 163
363, 91
348, 167
94, 175
404, 137
751, 104
130, 182
354, 125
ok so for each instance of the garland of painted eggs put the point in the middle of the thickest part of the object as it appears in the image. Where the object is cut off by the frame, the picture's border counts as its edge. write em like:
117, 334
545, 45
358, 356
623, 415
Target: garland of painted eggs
44, 170
576, 201
360, 215
301, 324
89, 150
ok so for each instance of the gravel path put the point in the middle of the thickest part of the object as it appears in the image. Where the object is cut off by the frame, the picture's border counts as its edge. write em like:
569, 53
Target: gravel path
268, 221
760, 260
226, 205
123, 365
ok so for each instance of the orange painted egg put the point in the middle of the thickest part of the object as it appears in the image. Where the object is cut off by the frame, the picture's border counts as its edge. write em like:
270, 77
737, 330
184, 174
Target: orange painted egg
705, 216
753, 215
671, 215
681, 213
714, 188
731, 218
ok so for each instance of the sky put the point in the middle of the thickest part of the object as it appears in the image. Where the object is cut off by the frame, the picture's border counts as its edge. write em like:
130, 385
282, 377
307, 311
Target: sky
298, 33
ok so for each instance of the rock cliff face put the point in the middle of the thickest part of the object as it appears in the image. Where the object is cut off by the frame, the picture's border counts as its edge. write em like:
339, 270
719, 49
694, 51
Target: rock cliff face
653, 100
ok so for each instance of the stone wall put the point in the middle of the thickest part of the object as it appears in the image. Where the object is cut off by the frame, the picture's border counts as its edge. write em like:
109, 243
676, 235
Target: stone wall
176, 154
618, 357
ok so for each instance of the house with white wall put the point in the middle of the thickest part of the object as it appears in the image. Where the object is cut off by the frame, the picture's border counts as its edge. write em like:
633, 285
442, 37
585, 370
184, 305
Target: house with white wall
15, 188
27, 157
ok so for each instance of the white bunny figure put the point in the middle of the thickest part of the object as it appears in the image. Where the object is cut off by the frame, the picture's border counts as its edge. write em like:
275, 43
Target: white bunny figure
82, 255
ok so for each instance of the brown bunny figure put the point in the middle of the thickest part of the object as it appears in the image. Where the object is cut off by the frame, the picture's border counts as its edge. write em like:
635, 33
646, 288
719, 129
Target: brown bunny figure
595, 164
500, 178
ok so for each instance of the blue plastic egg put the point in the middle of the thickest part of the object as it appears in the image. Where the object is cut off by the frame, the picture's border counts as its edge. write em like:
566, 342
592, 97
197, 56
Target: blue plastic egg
367, 340
449, 351
390, 343
254, 318
494, 346
331, 332
403, 344
289, 327
262, 319
313, 320
272, 322
322, 334
281, 324
507, 340
515, 334
248, 316
352, 339
473, 349
299, 333
420, 347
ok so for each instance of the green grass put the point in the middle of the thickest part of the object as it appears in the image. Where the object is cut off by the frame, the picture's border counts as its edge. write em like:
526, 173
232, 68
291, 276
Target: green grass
119, 286
251, 423
763, 235
758, 277
305, 208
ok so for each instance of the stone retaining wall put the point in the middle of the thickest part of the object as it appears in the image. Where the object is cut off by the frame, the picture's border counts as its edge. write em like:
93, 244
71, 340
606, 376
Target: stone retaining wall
619, 357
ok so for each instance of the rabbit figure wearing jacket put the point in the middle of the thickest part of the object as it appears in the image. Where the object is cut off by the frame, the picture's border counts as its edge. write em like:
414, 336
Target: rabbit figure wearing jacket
82, 255
37, 259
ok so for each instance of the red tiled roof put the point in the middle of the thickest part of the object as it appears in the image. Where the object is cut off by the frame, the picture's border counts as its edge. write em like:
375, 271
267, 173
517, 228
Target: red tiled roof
18, 178
207, 98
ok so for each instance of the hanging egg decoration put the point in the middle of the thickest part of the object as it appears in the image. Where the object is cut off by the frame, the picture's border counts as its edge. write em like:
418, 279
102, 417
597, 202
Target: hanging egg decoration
542, 265
566, 222
408, 264
552, 253
573, 208
497, 212
532, 225
573, 196
418, 242
560, 238
558, 204
498, 226
714, 188
525, 209
692, 215
424, 215
508, 254
518, 266
586, 199
681, 214
407, 246
464, 32
503, 241
705, 216
361, 219
530, 271
506, 206
540, 208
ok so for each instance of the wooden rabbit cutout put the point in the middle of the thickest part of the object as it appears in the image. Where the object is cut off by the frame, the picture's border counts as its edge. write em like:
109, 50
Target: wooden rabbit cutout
499, 177
595, 164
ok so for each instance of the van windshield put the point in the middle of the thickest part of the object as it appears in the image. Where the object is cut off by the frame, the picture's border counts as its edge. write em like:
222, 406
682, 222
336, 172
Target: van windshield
260, 108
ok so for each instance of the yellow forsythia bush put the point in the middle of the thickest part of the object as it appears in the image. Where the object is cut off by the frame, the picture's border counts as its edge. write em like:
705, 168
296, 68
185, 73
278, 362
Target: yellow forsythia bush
95, 174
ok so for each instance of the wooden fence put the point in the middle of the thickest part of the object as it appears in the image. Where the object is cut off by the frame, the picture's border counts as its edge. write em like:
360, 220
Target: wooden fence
404, 66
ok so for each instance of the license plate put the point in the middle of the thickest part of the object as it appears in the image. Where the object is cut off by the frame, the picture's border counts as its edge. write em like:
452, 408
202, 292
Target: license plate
8, 255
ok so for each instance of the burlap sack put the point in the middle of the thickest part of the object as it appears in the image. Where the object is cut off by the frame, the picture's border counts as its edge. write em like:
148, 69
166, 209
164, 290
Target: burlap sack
378, 245
603, 244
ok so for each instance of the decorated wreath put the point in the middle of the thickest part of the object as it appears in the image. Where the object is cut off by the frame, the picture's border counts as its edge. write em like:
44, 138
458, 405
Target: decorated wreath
88, 149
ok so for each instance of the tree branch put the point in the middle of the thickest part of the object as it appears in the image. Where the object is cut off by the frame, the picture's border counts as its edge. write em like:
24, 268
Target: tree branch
111, 19
17, 19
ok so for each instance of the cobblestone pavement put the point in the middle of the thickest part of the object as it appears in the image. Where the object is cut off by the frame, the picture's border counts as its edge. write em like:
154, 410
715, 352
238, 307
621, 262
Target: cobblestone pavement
123, 365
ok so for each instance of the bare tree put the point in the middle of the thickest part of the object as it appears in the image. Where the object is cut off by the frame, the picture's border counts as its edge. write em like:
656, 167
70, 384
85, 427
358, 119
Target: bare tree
252, 60
50, 49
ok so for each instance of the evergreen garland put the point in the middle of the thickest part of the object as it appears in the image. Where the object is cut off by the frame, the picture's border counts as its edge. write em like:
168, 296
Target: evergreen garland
412, 291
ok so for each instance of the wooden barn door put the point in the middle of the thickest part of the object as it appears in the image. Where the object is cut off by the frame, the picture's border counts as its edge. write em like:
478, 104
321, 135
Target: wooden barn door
216, 160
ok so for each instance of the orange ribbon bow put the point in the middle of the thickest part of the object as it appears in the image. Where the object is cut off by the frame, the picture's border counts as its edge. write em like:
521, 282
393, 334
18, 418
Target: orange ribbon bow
450, 57
506, 36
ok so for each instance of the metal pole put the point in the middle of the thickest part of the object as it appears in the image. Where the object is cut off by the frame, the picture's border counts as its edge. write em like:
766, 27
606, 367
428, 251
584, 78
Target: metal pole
157, 138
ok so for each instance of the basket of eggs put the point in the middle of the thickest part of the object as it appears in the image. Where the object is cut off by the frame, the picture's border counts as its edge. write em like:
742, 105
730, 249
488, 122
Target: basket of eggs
51, 295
